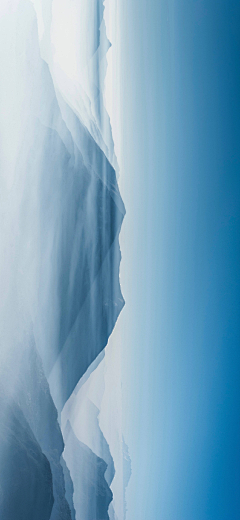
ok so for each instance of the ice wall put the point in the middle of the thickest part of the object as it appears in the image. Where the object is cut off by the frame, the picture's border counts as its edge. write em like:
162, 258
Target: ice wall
61, 214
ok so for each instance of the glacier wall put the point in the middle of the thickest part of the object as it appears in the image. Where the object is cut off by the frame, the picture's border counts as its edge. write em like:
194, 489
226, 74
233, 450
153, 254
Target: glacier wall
60, 218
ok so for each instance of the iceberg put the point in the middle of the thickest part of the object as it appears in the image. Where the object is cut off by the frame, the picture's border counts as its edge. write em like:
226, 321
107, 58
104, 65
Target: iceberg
61, 215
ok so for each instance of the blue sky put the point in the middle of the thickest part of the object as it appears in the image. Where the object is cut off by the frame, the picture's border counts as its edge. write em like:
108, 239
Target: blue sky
180, 92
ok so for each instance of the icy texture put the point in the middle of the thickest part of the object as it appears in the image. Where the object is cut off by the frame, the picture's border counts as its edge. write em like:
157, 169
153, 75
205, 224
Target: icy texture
25, 475
61, 214
92, 494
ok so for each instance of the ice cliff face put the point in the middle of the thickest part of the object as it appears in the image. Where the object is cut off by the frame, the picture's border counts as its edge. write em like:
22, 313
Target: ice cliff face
60, 218
26, 488
34, 398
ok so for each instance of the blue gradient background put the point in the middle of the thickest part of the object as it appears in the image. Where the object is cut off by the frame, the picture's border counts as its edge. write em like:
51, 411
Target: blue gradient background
180, 91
